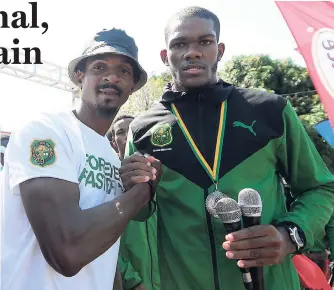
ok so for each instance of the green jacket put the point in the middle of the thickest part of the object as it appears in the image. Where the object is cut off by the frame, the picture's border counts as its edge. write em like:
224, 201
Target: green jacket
138, 255
262, 135
130, 277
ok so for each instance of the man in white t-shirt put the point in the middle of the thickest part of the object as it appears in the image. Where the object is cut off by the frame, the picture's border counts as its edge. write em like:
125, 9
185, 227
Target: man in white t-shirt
62, 207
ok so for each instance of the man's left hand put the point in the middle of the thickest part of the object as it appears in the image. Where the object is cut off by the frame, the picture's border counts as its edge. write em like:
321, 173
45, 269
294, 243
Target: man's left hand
258, 246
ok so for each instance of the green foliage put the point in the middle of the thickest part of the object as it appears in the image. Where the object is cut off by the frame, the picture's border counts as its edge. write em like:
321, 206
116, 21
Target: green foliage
285, 78
277, 76
147, 96
324, 149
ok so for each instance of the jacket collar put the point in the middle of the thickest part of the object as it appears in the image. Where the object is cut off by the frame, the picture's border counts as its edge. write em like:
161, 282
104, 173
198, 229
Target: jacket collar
214, 94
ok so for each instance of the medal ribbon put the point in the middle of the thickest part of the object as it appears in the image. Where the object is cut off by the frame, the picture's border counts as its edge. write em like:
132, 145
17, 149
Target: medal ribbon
212, 172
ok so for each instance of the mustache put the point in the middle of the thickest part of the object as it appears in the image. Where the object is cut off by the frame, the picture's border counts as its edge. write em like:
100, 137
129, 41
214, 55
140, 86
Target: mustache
189, 65
110, 86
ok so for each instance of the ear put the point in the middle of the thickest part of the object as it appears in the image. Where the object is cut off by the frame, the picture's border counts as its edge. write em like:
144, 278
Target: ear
164, 58
79, 75
221, 50
132, 89
114, 145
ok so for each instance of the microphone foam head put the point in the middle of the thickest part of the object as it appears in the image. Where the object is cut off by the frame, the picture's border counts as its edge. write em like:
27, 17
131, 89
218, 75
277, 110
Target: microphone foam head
211, 201
228, 210
250, 202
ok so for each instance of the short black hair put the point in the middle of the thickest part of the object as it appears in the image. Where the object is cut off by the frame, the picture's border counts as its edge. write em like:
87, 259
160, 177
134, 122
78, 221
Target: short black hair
81, 66
194, 11
120, 117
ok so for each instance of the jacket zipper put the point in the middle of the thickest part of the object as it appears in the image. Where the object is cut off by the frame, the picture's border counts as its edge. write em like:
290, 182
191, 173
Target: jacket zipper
208, 217
212, 246
150, 253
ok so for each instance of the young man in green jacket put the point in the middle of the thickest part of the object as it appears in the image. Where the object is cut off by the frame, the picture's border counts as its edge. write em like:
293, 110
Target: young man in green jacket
137, 260
209, 136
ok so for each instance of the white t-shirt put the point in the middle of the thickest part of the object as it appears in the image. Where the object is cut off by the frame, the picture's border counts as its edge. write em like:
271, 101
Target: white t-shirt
54, 145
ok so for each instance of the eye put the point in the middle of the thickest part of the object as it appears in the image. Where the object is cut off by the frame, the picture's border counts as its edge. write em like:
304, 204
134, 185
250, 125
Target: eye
99, 67
125, 71
206, 42
178, 45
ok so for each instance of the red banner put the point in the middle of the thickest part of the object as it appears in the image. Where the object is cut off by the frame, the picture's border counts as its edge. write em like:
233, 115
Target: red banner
312, 25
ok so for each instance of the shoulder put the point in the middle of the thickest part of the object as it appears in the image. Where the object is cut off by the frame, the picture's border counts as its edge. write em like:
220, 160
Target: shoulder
42, 125
158, 113
262, 99
45, 119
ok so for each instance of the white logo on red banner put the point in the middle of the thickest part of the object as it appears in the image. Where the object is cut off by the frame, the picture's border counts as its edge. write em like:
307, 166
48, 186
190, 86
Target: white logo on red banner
323, 57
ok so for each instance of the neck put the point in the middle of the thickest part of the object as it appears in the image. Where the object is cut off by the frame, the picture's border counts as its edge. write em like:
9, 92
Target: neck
178, 87
89, 117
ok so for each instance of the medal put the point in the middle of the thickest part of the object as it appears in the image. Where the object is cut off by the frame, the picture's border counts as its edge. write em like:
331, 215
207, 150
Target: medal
213, 172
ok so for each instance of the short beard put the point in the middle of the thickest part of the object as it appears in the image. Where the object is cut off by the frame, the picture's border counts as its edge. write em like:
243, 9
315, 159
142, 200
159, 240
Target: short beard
106, 112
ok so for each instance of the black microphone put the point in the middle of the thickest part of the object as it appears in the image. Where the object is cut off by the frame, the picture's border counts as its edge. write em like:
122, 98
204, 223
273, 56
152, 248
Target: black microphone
251, 207
229, 214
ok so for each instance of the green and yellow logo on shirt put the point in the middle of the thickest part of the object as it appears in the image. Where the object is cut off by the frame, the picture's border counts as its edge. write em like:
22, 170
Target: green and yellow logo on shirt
42, 152
162, 135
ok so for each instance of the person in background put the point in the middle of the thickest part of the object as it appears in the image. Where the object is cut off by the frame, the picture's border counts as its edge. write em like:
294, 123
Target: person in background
138, 249
4, 139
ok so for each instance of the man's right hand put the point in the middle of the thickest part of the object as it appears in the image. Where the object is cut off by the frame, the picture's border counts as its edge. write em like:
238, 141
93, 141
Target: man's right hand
139, 169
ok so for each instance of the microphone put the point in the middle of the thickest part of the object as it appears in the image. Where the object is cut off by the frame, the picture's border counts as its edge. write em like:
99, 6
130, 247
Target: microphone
251, 207
229, 214
211, 201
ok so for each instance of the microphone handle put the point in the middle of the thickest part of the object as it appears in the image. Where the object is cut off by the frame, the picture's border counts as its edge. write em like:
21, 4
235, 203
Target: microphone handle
256, 272
250, 221
246, 274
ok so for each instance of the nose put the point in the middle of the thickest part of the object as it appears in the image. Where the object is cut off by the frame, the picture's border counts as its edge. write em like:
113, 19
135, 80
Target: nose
193, 53
112, 77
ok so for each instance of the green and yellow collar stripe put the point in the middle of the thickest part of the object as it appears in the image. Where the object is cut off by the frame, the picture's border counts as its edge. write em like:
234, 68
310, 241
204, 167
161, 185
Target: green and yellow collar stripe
213, 172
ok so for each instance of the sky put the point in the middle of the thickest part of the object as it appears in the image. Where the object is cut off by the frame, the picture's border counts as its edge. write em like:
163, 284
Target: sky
247, 27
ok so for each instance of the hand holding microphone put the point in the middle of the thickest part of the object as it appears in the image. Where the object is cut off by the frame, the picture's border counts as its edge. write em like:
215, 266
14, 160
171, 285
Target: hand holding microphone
229, 213
257, 245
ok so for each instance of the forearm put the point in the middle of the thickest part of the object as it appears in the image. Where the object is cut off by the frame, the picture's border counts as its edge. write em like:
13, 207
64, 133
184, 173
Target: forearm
103, 225
91, 232
311, 211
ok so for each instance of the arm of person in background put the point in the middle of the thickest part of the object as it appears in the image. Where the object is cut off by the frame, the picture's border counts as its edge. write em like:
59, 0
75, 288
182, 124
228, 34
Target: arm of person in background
69, 237
312, 184
131, 278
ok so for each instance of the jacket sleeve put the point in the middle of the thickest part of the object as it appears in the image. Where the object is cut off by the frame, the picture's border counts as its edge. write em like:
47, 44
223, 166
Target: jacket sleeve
330, 235
149, 210
311, 182
130, 277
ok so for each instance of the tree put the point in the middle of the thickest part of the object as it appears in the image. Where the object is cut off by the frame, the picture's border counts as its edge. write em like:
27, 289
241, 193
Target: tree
285, 78
324, 149
147, 96
278, 76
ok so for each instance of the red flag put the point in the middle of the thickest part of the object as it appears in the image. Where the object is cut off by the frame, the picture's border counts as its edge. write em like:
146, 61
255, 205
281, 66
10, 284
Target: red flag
312, 26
